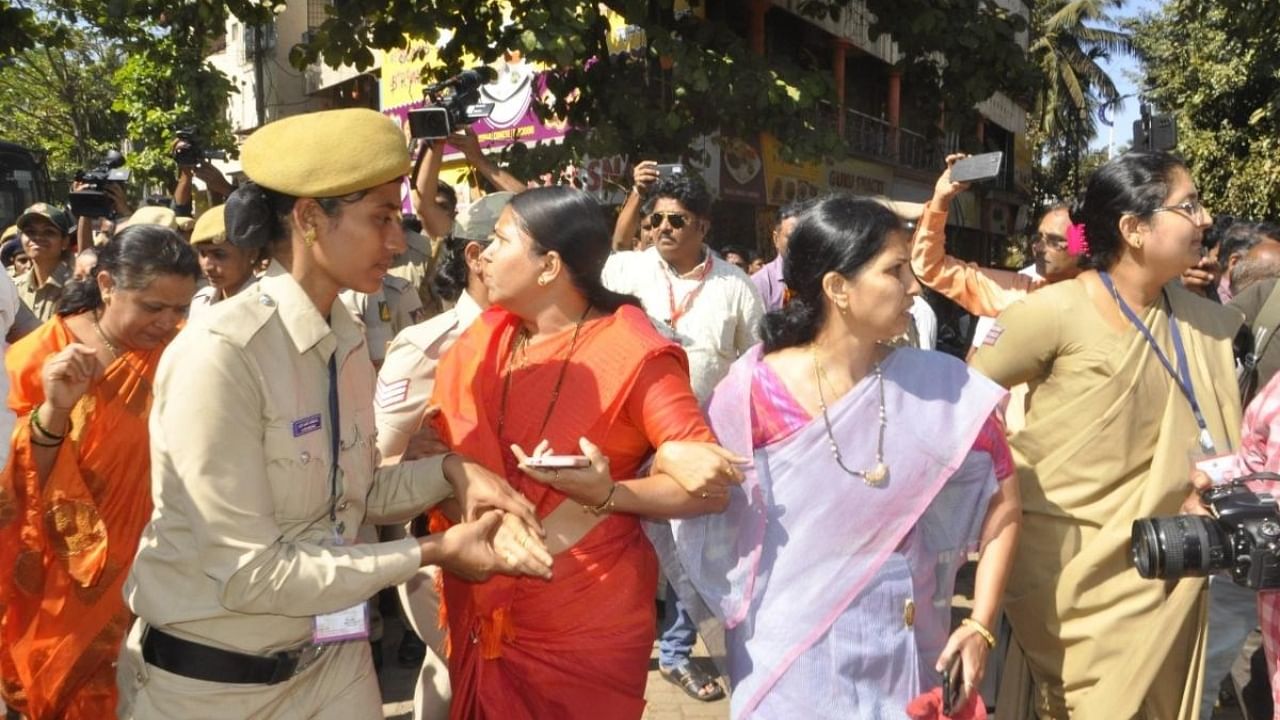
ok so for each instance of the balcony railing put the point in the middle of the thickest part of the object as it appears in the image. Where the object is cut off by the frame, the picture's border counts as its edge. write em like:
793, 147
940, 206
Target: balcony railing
873, 137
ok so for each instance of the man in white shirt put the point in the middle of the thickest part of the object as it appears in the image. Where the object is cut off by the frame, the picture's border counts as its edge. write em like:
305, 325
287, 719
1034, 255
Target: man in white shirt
713, 310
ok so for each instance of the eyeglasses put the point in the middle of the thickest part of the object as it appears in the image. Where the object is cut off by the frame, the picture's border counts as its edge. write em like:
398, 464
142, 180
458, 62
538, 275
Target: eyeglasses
677, 220
1192, 209
1048, 240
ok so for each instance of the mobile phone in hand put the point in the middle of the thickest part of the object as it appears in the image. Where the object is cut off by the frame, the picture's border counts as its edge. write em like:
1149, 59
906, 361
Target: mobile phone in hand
558, 462
977, 167
668, 170
952, 686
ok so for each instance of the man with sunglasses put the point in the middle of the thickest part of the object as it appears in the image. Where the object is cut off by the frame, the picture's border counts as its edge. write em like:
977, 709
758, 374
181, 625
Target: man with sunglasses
713, 310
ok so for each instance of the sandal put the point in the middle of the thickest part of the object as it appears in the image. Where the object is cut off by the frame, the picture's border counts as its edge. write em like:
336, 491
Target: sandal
693, 681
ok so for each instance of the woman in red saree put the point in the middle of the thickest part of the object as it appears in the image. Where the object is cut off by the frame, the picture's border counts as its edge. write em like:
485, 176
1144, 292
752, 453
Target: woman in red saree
562, 365
77, 490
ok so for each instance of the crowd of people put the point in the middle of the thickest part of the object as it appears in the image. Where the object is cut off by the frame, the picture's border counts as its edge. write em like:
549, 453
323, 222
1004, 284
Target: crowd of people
533, 418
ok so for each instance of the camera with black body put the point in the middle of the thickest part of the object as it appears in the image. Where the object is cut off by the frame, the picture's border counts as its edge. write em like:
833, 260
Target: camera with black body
452, 104
1240, 536
190, 152
94, 201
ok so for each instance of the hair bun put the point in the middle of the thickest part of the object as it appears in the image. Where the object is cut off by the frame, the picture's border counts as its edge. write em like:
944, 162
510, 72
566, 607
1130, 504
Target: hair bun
248, 217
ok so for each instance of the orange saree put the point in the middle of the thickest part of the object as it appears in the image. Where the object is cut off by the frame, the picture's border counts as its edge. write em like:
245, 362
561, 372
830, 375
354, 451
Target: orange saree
577, 646
66, 543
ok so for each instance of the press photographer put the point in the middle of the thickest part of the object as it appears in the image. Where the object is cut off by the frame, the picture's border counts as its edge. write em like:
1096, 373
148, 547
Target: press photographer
99, 192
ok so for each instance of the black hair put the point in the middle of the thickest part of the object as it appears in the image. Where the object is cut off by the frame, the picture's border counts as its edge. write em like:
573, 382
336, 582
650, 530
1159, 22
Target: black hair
450, 194
795, 208
686, 189
1135, 183
411, 223
134, 258
1241, 237
1213, 235
258, 217
452, 272
570, 222
839, 233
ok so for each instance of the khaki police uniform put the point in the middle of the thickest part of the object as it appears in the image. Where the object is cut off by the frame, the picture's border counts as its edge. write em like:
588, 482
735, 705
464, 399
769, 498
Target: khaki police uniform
240, 553
417, 264
384, 313
252, 537
42, 299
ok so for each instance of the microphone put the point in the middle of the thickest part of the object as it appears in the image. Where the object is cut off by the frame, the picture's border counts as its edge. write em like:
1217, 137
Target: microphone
467, 80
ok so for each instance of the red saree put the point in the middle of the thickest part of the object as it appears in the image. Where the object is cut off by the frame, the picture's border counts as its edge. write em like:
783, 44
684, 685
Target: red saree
577, 646
66, 544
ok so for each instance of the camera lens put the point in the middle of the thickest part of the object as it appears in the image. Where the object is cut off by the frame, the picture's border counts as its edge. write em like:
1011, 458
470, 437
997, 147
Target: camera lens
1173, 547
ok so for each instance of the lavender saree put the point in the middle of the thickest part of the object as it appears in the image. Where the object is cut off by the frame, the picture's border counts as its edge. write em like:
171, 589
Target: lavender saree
813, 571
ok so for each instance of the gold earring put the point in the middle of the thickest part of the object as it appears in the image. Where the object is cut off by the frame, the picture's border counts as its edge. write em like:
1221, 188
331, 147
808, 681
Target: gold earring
1138, 243
309, 236
543, 281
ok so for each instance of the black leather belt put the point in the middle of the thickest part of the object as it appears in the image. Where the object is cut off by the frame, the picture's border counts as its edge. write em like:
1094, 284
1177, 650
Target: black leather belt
202, 662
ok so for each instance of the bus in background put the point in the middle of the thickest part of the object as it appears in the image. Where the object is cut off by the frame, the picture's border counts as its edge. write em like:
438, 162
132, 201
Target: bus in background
24, 181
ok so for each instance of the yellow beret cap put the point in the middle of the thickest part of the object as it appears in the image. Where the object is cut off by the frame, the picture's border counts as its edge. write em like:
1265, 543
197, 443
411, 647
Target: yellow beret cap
326, 154
211, 227
154, 215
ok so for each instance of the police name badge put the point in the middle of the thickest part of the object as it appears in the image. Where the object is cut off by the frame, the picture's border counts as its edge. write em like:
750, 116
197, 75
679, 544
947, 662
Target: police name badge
349, 624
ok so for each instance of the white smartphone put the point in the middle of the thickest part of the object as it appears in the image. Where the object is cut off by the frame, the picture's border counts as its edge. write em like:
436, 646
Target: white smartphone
558, 462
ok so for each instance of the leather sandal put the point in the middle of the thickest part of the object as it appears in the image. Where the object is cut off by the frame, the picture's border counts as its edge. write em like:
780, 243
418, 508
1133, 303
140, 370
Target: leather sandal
693, 680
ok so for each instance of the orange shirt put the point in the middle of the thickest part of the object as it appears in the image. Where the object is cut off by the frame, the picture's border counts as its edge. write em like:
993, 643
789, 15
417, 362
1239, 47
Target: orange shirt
979, 290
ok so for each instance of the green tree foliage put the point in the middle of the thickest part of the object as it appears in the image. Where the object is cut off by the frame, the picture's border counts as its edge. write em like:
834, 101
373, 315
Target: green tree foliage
696, 76
1216, 66
60, 100
1072, 37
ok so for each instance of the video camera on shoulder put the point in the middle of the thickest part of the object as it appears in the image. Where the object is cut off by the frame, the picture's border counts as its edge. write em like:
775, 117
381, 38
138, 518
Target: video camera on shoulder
452, 104
190, 152
93, 201
1240, 536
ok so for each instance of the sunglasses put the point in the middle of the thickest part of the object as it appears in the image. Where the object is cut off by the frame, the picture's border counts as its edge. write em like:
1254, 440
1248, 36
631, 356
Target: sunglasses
677, 220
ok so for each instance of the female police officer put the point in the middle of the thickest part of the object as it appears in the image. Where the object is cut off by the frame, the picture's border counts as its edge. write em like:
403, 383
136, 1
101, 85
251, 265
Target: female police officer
249, 593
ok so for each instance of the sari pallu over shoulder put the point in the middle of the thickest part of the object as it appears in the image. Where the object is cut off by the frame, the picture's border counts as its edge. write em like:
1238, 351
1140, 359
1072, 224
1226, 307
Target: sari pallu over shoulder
801, 538
66, 543
1093, 639
537, 632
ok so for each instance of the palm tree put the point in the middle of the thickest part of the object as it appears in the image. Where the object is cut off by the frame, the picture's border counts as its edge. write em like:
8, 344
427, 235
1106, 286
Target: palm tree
1071, 37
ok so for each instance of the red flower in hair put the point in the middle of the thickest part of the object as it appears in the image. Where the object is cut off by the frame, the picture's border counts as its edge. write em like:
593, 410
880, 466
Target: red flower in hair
1077, 241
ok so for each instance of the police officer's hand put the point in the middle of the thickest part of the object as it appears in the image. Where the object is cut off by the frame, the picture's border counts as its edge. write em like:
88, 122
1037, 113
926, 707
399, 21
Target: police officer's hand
67, 374
477, 490
476, 550
704, 470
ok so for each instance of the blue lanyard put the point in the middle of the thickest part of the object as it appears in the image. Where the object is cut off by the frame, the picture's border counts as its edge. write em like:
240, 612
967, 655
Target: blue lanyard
335, 439
1181, 376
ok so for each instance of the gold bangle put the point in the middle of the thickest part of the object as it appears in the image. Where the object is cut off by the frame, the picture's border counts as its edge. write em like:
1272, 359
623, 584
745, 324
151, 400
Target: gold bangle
981, 629
605, 506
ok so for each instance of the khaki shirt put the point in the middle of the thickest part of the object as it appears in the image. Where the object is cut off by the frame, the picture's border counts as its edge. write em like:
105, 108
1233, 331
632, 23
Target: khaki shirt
408, 374
384, 314
417, 264
240, 552
43, 299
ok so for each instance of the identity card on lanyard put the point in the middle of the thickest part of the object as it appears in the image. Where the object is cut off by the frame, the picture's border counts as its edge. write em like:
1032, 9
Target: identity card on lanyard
352, 623
1182, 375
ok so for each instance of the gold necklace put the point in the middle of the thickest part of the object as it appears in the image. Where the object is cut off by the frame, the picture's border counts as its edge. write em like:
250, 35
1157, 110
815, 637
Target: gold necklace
555, 392
115, 352
878, 475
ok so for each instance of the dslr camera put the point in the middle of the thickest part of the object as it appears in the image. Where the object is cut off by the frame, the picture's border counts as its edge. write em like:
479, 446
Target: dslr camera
191, 152
452, 104
1240, 536
93, 201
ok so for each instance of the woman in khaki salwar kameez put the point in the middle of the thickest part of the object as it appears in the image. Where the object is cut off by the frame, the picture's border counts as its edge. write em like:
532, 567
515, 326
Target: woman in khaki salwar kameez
1132, 379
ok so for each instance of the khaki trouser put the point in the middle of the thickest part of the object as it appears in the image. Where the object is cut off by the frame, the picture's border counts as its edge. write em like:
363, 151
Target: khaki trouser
341, 685
421, 606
